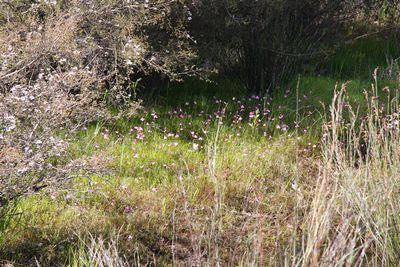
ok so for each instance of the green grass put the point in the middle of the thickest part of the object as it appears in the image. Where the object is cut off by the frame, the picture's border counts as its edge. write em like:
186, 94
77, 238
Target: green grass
359, 58
199, 181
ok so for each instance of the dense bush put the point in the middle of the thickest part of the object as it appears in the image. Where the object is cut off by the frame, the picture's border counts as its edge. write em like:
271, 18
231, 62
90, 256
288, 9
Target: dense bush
381, 11
115, 40
61, 62
262, 39
33, 151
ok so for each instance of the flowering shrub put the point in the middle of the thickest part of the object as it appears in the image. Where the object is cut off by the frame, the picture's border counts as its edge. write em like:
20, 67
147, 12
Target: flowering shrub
32, 149
62, 62
115, 40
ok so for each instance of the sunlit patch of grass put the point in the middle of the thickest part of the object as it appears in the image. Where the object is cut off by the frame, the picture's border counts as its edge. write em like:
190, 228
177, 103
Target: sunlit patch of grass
161, 182
191, 175
146, 191
162, 191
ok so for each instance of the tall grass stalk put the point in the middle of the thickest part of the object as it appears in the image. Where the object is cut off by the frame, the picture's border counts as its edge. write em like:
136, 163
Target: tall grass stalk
353, 219
216, 222
98, 252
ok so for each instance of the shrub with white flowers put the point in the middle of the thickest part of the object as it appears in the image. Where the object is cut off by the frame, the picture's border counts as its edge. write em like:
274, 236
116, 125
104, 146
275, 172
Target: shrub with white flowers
62, 63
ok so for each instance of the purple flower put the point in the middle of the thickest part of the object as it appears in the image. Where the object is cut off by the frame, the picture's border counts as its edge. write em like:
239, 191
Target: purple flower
128, 209
154, 115
140, 136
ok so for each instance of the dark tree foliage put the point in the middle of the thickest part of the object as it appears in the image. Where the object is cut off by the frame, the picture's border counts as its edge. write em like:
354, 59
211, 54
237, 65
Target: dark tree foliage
262, 40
